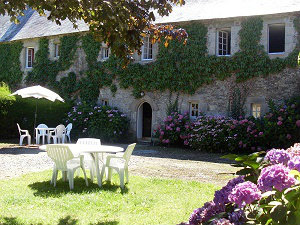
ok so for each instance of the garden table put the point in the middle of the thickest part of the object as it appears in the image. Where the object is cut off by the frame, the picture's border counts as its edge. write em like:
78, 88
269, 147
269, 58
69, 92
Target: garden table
47, 129
77, 149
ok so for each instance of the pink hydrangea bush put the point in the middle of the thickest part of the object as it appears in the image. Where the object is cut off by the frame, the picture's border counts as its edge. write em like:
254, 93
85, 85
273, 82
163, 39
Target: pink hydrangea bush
174, 130
273, 197
221, 134
281, 125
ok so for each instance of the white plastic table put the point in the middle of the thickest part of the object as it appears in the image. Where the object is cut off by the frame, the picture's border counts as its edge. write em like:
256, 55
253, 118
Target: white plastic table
48, 129
77, 149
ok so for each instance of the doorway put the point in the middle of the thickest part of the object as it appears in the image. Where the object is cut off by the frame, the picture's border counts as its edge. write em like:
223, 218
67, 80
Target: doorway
144, 121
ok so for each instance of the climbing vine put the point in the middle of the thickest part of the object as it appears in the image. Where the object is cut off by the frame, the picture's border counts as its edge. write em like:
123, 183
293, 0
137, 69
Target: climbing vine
10, 71
178, 68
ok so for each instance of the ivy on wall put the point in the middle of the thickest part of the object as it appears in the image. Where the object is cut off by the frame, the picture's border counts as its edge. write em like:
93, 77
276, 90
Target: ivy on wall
178, 68
10, 71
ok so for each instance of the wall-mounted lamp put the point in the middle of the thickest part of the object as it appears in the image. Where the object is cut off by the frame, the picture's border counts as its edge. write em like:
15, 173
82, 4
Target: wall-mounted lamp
142, 94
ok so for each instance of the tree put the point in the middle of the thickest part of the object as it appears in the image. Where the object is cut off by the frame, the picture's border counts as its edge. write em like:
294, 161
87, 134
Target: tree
119, 23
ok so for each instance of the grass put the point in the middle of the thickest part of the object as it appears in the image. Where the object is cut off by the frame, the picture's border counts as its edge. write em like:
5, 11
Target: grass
31, 200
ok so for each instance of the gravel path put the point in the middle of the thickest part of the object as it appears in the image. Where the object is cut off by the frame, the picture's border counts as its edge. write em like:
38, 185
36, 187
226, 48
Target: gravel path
149, 161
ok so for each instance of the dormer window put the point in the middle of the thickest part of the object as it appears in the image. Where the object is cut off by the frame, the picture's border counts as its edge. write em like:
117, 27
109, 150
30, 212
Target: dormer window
147, 49
224, 42
29, 57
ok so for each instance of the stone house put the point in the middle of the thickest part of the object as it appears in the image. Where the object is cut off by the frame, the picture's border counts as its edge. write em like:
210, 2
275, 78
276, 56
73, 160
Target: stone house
279, 38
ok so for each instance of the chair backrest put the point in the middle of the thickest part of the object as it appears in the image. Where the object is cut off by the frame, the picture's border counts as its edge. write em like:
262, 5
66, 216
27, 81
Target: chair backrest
69, 128
88, 141
128, 152
19, 129
60, 154
42, 126
60, 130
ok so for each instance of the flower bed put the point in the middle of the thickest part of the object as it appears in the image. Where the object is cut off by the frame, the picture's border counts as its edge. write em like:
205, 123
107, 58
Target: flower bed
267, 193
279, 128
103, 122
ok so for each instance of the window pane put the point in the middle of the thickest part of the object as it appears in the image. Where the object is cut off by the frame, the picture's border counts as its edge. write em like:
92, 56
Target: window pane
276, 38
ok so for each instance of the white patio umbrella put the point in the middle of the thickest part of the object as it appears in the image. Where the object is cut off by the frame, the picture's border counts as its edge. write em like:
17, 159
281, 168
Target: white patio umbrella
38, 92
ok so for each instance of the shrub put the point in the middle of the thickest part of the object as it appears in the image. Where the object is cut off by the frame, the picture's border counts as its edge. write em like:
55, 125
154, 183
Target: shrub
281, 126
104, 122
221, 134
269, 193
174, 129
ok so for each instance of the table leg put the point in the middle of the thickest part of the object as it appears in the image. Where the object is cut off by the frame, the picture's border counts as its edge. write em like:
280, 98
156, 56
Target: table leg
36, 139
97, 169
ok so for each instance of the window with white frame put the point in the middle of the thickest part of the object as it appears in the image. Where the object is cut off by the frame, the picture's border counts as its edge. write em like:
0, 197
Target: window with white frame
256, 110
224, 42
276, 42
29, 57
56, 50
147, 49
194, 110
104, 102
105, 53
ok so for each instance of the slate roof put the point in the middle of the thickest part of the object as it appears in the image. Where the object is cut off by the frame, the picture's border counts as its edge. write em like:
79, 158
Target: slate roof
32, 25
217, 9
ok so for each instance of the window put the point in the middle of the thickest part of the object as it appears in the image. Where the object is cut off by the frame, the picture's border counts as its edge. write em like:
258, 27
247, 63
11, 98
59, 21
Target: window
104, 102
224, 41
105, 53
194, 110
256, 110
56, 50
147, 49
276, 38
29, 57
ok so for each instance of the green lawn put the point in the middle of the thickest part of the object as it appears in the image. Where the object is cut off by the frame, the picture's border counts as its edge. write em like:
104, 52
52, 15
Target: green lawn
31, 200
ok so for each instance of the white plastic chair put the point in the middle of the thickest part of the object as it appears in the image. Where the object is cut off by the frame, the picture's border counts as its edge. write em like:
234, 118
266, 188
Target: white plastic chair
58, 135
24, 135
118, 163
41, 133
68, 131
88, 159
65, 161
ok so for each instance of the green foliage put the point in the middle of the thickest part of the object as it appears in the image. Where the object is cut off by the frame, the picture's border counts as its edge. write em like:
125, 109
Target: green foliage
178, 68
184, 69
45, 70
104, 122
10, 72
91, 48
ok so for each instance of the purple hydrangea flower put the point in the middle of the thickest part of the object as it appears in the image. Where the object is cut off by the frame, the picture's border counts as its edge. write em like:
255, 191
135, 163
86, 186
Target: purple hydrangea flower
203, 214
276, 156
294, 163
221, 222
244, 193
276, 176
237, 217
221, 196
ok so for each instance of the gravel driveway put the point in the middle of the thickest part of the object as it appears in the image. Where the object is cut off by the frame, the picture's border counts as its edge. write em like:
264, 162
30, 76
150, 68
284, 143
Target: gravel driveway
149, 161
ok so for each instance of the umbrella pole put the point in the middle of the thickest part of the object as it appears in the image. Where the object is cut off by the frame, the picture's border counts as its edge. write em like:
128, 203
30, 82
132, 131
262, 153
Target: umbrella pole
35, 115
